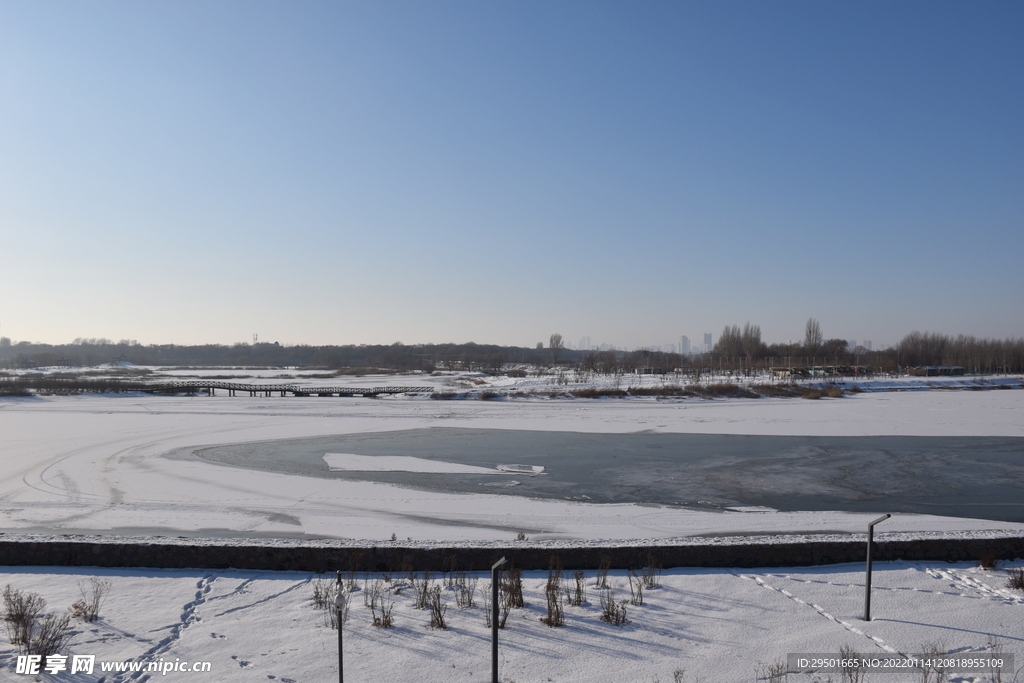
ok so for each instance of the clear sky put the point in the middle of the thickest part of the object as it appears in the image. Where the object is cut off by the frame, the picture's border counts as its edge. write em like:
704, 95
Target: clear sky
333, 173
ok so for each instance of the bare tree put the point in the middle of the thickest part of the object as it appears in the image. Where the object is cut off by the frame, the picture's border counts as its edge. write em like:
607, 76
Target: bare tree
752, 346
812, 336
730, 342
556, 345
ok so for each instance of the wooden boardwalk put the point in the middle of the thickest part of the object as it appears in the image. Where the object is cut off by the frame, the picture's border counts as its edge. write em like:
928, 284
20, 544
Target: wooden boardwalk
211, 386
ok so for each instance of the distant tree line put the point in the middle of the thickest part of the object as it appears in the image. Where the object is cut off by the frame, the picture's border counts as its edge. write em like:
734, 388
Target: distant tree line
360, 358
738, 350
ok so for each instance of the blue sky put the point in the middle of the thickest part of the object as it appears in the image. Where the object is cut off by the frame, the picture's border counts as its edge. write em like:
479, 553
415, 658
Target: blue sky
334, 173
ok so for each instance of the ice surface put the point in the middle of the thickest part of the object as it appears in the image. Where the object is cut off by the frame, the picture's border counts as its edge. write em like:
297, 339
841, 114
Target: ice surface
121, 464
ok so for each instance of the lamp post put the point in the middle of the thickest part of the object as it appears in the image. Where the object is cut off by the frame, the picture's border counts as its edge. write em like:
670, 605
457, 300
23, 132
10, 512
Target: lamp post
494, 619
867, 581
339, 605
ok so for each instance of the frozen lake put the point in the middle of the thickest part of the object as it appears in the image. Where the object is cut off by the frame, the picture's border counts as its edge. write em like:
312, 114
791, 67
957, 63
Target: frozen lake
613, 470
977, 477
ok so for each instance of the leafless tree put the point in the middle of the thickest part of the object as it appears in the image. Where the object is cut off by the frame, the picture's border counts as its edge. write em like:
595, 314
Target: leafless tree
730, 342
812, 336
751, 342
556, 346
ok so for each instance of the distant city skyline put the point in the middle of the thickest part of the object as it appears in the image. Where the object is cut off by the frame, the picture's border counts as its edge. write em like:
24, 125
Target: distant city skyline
344, 173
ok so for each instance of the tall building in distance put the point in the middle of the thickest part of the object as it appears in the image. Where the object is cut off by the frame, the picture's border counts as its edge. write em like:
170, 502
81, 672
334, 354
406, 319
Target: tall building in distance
585, 344
707, 342
684, 345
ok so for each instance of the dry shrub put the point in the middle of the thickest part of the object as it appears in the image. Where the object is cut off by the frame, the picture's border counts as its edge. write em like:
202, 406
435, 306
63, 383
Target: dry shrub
423, 590
612, 612
512, 585
437, 610
31, 631
988, 559
578, 596
930, 672
504, 607
380, 607
852, 671
20, 613
88, 608
651, 576
466, 588
636, 587
602, 572
50, 634
811, 393
324, 592
556, 615
555, 567
834, 392
488, 395
1015, 579
773, 673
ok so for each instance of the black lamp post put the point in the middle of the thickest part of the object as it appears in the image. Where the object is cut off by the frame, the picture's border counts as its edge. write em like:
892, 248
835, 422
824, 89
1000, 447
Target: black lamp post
867, 582
494, 620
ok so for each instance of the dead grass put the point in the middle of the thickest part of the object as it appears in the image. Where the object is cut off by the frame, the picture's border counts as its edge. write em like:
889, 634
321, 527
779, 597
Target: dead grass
988, 560
594, 392
721, 390
667, 390
776, 390
445, 395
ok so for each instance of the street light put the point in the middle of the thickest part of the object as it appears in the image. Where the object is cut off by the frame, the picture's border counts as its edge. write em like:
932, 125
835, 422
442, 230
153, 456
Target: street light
494, 619
339, 605
867, 582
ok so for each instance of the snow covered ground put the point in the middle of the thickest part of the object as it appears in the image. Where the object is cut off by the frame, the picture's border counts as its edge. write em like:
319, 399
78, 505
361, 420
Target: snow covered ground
715, 625
104, 464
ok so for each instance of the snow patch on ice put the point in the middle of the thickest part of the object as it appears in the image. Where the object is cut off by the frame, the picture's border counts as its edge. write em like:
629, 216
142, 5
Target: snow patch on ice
529, 470
349, 462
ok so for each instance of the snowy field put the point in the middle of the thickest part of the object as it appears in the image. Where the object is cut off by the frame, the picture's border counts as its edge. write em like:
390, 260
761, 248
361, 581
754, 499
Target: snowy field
715, 625
106, 464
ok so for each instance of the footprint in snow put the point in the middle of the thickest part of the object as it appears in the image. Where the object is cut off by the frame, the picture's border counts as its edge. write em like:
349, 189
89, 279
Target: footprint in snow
217, 635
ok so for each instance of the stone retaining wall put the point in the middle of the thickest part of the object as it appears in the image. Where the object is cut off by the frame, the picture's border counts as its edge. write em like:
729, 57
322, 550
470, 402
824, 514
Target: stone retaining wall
395, 558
